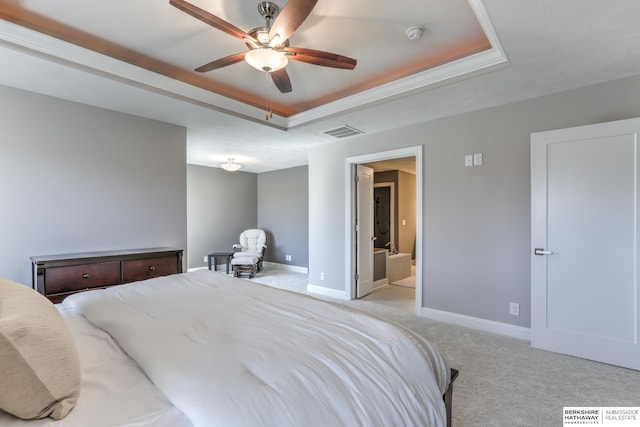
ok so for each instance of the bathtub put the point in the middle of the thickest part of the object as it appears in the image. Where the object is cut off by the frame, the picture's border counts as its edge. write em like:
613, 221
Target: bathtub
398, 266
380, 267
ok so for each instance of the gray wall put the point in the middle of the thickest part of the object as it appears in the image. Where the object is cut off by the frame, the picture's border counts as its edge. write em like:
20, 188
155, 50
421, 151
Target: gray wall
283, 212
220, 205
75, 178
407, 212
476, 220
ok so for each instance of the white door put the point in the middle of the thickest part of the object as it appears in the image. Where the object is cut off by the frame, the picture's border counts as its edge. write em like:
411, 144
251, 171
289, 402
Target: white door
584, 257
364, 231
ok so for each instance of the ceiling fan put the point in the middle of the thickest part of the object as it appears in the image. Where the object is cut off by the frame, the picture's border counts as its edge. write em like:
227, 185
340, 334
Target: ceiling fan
269, 49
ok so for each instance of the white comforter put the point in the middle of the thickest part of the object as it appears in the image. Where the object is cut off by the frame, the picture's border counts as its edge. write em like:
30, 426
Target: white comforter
114, 391
229, 352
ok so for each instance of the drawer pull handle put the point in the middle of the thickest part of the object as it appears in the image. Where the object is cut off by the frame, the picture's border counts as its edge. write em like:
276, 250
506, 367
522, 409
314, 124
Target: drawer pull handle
85, 276
152, 268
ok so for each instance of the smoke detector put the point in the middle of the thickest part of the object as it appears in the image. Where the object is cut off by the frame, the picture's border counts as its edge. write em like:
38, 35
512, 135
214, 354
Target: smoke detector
415, 32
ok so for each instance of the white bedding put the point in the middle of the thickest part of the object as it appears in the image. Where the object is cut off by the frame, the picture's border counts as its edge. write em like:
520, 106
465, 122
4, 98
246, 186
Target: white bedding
230, 352
115, 392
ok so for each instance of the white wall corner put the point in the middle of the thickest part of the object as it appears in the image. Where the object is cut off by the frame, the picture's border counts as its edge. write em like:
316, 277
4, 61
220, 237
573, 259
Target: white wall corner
492, 326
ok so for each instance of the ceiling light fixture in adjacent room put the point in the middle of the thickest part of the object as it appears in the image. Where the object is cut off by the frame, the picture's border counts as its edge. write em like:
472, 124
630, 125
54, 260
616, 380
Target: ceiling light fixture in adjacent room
230, 166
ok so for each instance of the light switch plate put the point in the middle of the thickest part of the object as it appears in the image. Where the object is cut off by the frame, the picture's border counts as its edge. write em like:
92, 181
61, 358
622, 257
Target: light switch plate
468, 160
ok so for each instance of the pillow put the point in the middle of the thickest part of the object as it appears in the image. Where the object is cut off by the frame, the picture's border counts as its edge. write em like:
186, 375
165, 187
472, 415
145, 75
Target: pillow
39, 364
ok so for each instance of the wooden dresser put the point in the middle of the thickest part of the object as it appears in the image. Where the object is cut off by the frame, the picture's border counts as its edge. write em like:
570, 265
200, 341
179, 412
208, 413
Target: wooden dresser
58, 276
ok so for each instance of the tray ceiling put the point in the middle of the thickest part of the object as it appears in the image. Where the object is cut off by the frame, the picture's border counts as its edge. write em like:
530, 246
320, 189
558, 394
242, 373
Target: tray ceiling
159, 38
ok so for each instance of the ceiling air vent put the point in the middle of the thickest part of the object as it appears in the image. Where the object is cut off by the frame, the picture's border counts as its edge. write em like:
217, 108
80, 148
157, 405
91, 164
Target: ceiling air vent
343, 132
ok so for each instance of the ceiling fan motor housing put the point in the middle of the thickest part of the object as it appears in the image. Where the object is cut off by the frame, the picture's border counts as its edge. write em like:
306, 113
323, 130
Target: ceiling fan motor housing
261, 34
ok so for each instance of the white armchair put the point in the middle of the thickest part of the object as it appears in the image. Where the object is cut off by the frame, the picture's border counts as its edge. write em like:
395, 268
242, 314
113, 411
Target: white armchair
253, 243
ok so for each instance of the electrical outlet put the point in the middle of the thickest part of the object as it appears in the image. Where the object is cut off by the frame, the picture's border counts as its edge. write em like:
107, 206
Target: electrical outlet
287, 257
206, 258
514, 309
322, 276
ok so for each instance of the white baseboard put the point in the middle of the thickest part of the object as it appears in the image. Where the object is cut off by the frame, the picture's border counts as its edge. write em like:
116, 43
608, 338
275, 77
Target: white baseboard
287, 267
477, 323
327, 292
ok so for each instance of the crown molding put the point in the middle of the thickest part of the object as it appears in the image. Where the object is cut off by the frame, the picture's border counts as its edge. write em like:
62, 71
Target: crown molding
50, 48
469, 66
37, 44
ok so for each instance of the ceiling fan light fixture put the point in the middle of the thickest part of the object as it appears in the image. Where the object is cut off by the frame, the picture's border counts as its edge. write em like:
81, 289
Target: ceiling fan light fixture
230, 166
266, 59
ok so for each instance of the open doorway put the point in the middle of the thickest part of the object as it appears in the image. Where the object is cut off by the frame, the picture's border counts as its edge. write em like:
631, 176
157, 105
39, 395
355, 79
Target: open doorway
400, 229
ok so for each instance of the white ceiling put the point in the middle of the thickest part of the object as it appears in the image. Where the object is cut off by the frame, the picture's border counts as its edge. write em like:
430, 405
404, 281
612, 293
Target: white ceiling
550, 46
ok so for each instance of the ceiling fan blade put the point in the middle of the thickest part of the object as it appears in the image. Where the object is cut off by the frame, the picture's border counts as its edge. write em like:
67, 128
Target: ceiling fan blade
222, 62
210, 19
281, 80
319, 57
290, 18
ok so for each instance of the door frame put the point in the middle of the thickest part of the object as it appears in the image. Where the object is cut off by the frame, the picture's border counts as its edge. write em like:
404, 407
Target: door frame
350, 214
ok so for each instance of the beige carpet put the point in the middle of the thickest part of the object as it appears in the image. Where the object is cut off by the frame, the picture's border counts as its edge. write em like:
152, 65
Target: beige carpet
503, 381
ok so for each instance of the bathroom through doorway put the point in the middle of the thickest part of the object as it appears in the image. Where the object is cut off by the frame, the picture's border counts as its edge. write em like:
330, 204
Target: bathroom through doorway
397, 224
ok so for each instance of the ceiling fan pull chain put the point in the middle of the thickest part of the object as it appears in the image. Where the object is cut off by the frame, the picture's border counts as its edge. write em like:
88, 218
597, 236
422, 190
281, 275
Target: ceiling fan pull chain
266, 96
269, 113
270, 89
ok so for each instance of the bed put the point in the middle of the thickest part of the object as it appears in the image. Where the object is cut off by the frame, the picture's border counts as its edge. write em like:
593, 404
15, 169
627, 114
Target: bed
205, 349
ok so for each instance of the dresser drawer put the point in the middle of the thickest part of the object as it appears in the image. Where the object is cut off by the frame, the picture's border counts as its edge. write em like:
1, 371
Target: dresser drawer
58, 276
141, 269
78, 277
